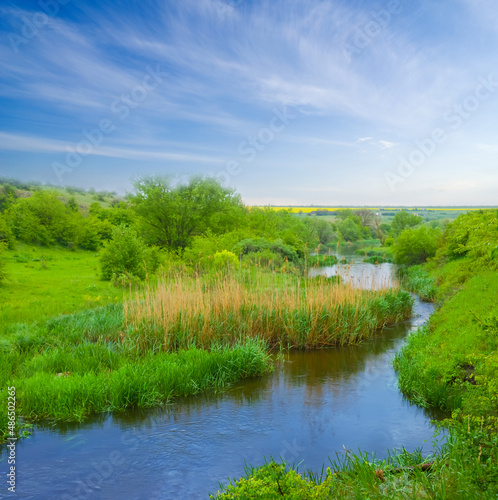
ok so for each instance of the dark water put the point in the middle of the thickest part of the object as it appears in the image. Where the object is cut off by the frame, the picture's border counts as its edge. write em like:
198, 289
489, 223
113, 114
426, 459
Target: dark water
312, 406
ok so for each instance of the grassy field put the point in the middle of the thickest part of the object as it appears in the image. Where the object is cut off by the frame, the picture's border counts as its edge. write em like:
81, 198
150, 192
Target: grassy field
44, 282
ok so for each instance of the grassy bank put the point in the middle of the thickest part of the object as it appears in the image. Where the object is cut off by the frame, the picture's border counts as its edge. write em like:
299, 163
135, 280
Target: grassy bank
453, 472
85, 363
451, 363
184, 334
416, 279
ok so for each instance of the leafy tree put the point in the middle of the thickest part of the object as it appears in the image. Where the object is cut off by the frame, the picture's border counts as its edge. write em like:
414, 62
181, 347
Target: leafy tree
325, 232
3, 272
6, 235
41, 219
261, 245
351, 229
344, 213
416, 245
127, 254
474, 234
366, 216
404, 220
71, 204
7, 197
172, 216
376, 225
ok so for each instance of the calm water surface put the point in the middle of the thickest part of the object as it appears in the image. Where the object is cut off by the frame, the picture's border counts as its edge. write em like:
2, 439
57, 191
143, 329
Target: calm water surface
311, 407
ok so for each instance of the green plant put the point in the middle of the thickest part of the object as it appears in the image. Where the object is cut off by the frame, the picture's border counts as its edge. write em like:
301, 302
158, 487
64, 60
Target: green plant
416, 245
127, 254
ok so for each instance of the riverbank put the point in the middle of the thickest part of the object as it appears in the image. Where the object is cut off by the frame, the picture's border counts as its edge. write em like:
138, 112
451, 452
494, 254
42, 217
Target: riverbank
450, 363
181, 336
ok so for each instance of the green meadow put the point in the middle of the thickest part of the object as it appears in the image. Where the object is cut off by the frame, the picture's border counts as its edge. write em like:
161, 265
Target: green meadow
107, 305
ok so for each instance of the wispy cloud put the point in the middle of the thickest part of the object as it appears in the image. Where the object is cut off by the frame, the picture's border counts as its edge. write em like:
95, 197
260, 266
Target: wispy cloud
228, 68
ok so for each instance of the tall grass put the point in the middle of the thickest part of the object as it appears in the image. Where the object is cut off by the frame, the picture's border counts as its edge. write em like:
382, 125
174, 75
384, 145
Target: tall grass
180, 336
417, 280
149, 381
286, 311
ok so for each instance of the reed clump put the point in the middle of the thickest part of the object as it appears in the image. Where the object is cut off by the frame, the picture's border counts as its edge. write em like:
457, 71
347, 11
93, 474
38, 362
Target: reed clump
281, 310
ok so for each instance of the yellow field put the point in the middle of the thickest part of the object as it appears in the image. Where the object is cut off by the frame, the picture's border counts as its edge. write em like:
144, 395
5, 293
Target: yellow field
307, 210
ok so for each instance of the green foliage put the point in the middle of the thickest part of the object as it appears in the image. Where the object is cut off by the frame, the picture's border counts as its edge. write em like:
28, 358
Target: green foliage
417, 280
474, 234
202, 248
275, 481
416, 245
262, 245
225, 260
389, 242
326, 232
322, 260
350, 229
6, 234
7, 196
403, 220
125, 254
172, 216
3, 272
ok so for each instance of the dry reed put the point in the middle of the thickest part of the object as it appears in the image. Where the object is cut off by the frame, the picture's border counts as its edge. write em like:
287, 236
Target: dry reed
281, 310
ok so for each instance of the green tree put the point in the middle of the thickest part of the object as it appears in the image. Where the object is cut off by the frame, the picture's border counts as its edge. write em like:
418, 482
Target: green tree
416, 245
127, 254
404, 220
6, 235
350, 229
3, 272
7, 197
40, 219
172, 216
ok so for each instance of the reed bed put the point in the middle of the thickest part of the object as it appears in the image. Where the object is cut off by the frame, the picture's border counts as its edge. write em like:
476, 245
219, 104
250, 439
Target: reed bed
281, 310
145, 382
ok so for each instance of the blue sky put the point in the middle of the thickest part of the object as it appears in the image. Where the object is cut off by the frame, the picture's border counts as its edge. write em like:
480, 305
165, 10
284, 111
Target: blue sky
289, 101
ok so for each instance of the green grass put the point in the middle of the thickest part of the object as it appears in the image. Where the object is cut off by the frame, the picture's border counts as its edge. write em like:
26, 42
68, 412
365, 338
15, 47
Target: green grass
321, 260
453, 472
44, 282
452, 363
72, 366
99, 378
417, 280
98, 359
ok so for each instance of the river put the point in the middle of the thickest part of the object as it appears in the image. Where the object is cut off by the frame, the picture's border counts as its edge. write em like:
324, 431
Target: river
314, 405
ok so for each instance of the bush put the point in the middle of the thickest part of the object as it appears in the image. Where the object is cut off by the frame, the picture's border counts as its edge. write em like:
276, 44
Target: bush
126, 254
416, 245
3, 273
6, 235
225, 260
262, 245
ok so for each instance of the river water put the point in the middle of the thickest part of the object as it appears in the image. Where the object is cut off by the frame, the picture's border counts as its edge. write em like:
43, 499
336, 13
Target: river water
314, 405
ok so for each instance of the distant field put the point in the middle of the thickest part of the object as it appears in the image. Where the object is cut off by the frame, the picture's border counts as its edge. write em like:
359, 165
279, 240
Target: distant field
306, 210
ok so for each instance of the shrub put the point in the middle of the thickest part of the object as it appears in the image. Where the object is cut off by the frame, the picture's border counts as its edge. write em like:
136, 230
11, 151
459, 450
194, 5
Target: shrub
127, 254
6, 235
2, 263
416, 245
224, 260
257, 245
